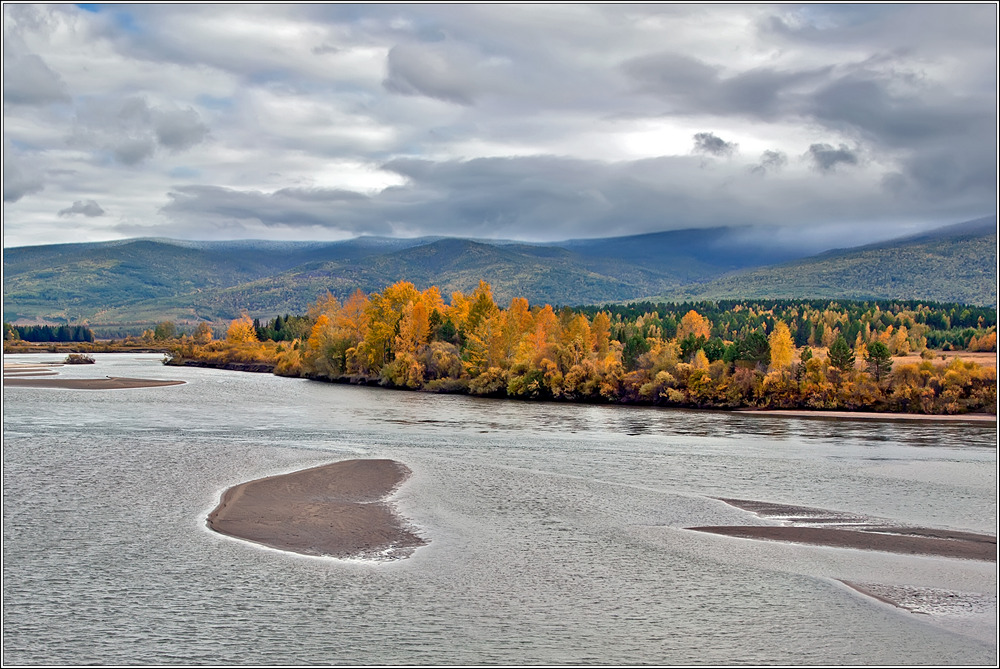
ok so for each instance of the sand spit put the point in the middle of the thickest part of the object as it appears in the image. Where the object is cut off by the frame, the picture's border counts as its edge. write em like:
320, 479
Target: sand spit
981, 548
337, 510
824, 527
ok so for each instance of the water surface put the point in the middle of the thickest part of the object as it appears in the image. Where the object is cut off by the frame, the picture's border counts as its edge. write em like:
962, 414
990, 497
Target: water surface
555, 530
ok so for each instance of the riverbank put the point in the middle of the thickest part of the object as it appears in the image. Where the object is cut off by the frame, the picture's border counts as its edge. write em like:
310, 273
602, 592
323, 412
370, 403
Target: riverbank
337, 510
869, 415
108, 383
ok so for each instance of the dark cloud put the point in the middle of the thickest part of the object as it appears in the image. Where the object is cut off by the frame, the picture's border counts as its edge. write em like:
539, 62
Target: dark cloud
707, 142
769, 161
88, 208
548, 198
17, 184
27, 80
289, 207
689, 85
826, 157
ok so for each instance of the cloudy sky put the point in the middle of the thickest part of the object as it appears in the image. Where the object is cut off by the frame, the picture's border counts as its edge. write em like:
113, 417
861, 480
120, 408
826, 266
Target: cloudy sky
836, 124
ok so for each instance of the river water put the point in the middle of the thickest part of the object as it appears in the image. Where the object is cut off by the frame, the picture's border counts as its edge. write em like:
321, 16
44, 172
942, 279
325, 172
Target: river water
555, 531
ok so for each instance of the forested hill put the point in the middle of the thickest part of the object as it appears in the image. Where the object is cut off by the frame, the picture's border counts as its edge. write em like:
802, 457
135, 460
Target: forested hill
957, 263
150, 280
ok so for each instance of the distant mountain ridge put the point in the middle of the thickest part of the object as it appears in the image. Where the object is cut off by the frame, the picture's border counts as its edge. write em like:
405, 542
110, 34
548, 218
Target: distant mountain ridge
955, 263
147, 280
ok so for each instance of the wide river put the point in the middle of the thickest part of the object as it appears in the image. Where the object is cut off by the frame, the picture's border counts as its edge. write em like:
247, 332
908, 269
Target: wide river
555, 531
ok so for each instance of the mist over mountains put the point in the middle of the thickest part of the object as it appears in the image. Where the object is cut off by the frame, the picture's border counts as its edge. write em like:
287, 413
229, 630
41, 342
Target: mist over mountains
148, 280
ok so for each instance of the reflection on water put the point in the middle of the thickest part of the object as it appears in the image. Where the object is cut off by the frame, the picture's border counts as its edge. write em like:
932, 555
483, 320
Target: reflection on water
555, 530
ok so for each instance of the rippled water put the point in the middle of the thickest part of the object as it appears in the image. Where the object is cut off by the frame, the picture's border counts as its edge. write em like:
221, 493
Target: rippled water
555, 530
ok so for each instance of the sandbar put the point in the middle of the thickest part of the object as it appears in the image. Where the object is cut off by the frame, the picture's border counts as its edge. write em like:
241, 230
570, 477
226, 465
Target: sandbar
964, 545
853, 530
336, 510
108, 383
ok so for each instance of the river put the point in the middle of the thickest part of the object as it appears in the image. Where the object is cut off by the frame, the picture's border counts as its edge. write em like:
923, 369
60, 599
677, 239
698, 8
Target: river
555, 530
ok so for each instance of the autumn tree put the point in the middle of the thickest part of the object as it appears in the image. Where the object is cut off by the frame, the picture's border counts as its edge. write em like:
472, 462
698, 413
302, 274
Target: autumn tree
693, 323
241, 331
782, 347
203, 333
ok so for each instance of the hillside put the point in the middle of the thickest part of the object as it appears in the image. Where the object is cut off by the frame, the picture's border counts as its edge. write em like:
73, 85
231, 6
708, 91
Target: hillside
148, 280
952, 264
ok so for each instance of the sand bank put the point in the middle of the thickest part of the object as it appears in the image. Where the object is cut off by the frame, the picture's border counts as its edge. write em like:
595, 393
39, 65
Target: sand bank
108, 383
868, 415
853, 530
979, 547
337, 510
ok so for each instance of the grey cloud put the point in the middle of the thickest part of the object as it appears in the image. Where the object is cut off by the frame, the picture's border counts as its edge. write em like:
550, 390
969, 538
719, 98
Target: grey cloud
769, 160
88, 208
548, 198
423, 70
324, 49
707, 142
292, 207
689, 85
827, 157
132, 150
29, 81
131, 129
17, 184
179, 129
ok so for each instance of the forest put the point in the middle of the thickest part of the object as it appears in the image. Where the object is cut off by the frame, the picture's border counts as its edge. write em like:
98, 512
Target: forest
733, 354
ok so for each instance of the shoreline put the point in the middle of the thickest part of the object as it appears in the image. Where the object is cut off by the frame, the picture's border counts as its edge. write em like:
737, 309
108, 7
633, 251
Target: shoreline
868, 415
108, 383
337, 510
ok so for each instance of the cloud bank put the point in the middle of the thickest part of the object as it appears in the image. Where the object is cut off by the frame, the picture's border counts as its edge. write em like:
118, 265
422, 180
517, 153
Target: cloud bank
535, 122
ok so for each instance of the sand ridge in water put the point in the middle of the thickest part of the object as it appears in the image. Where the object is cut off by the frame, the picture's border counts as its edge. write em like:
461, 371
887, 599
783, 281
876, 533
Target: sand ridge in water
335, 510
846, 530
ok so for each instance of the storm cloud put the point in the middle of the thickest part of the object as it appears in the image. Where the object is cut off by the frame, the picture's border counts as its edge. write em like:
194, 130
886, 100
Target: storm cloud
534, 122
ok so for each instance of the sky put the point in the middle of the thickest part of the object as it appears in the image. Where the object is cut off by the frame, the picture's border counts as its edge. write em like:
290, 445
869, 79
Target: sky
826, 125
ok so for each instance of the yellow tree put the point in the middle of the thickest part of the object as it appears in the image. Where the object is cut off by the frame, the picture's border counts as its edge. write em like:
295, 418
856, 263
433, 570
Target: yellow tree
352, 317
384, 312
600, 332
782, 347
694, 323
241, 330
414, 328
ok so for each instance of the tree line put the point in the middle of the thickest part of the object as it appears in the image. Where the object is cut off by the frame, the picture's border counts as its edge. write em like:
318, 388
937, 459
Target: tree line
821, 355
48, 333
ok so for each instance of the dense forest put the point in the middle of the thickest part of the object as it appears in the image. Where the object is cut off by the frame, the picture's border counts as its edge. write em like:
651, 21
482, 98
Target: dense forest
48, 333
777, 354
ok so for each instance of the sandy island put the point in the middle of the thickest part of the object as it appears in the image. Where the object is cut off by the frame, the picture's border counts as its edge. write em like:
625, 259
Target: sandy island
846, 530
337, 510
107, 383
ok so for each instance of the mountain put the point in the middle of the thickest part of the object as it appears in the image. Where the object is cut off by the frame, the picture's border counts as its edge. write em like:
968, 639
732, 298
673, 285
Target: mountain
956, 263
148, 280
